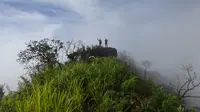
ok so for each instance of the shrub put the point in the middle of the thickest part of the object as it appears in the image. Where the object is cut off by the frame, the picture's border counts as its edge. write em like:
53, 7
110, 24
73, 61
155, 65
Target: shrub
104, 85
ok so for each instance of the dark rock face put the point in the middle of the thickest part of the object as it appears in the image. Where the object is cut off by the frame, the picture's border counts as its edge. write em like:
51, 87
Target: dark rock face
103, 52
96, 51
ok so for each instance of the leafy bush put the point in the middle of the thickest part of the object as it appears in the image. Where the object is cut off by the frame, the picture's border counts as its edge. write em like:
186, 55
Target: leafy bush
104, 85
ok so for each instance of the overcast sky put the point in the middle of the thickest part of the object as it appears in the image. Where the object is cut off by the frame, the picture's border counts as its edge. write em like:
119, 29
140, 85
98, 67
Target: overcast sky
166, 32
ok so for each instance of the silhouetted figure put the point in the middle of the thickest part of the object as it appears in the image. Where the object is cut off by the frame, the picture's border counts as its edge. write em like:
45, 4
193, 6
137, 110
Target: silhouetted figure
106, 42
100, 42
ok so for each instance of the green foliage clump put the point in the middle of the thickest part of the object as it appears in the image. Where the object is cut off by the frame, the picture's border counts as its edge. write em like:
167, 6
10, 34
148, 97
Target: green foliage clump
103, 85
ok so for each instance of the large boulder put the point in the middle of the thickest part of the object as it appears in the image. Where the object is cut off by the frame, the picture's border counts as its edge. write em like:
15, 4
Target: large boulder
103, 52
96, 51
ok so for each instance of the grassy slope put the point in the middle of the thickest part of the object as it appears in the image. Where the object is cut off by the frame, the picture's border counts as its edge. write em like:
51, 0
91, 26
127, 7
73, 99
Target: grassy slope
105, 85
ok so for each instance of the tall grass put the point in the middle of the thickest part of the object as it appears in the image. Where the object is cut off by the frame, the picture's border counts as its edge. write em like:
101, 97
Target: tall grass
104, 85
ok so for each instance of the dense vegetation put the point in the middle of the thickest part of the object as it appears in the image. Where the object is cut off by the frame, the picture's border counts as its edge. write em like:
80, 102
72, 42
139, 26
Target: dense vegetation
104, 85
100, 84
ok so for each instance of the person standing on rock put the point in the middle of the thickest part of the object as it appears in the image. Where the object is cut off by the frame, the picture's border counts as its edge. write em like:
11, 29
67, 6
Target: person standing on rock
106, 42
100, 42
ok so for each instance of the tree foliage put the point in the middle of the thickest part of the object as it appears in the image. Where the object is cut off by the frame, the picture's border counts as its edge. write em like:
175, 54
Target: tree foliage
2, 92
46, 53
40, 53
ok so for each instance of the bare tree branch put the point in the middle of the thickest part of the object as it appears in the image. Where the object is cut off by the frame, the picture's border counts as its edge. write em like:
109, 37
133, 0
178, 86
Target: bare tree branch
189, 85
146, 64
